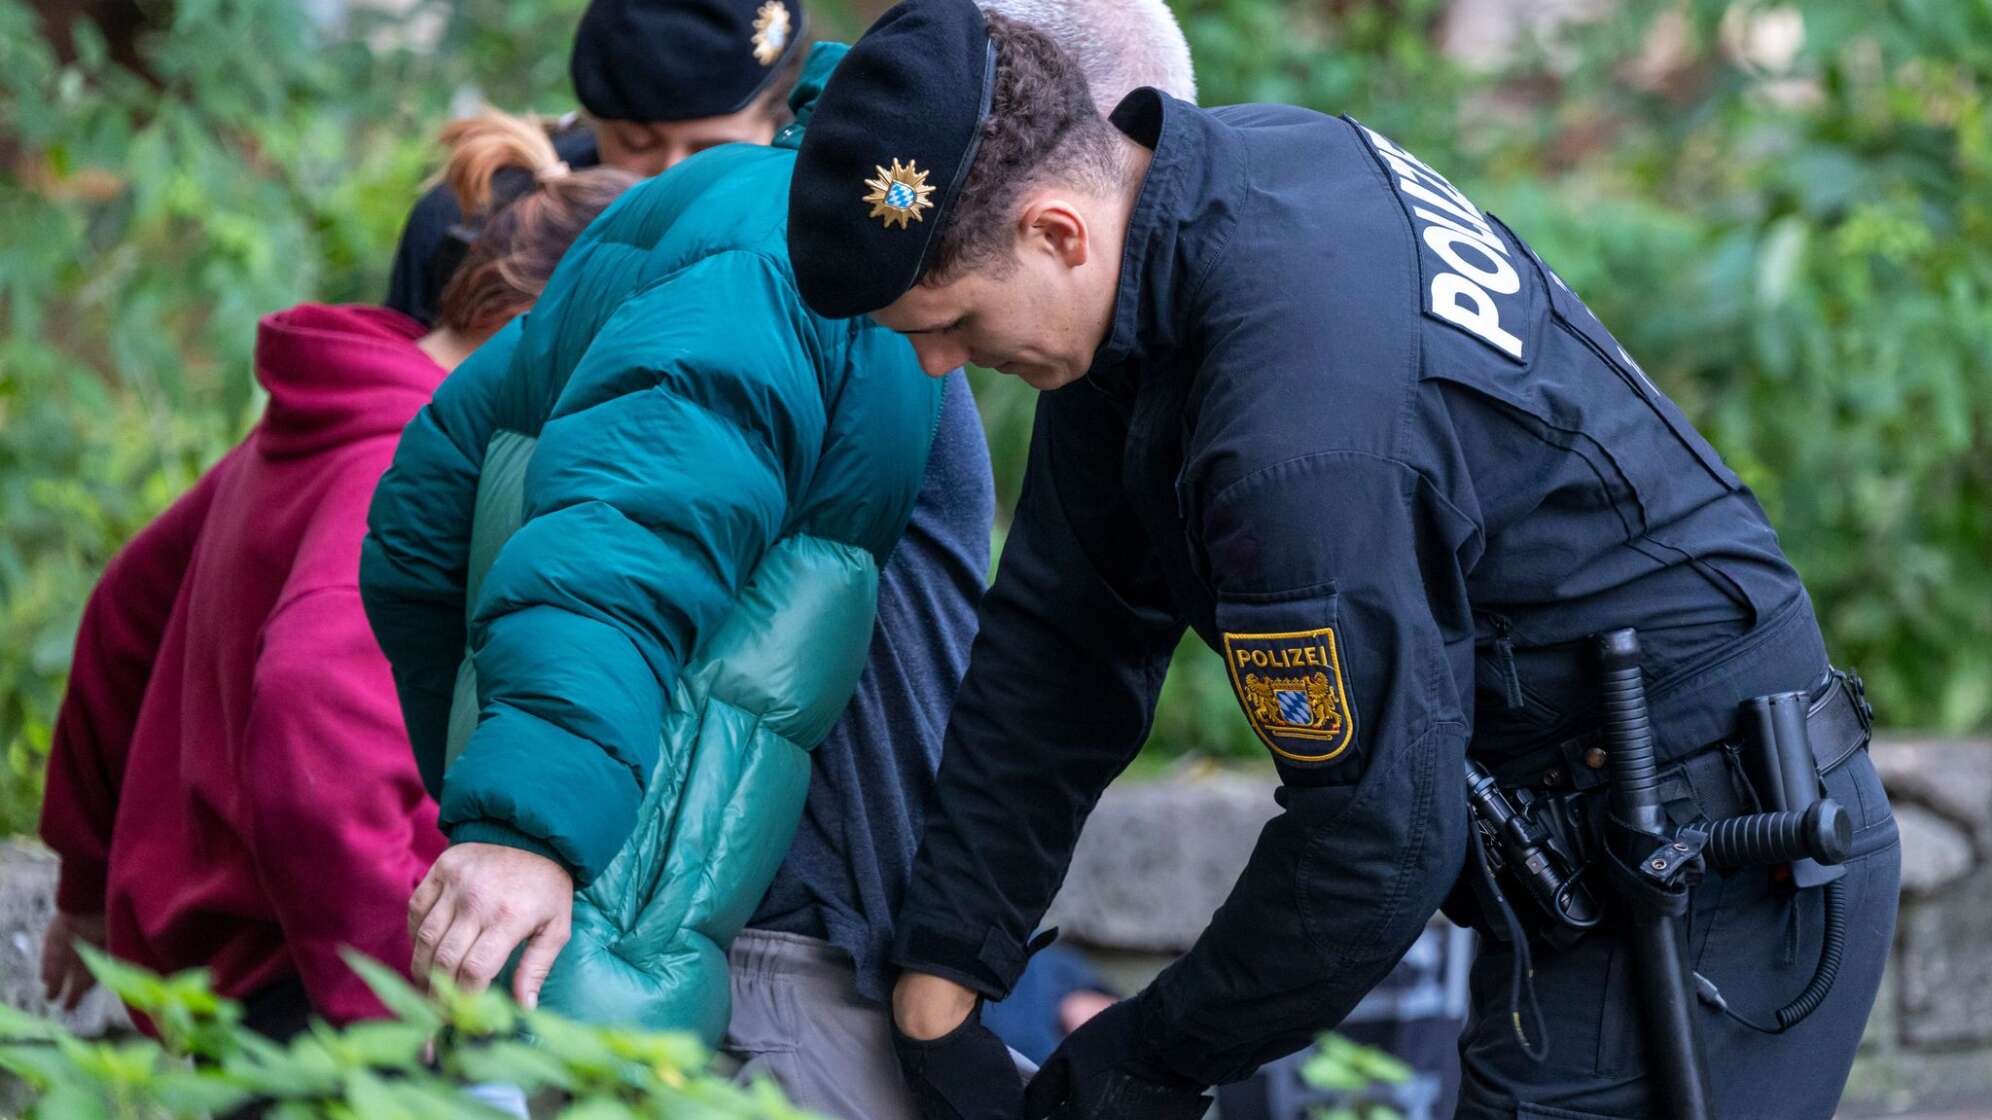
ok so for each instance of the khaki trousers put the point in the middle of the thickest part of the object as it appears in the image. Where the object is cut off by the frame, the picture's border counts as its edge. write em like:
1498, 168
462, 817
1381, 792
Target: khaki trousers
798, 1019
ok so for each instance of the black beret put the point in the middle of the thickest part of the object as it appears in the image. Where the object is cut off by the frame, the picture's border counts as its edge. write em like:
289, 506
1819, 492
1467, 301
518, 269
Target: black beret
678, 60
885, 154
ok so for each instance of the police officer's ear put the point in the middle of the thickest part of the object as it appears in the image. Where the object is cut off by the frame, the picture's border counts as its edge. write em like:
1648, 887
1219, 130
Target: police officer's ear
1054, 224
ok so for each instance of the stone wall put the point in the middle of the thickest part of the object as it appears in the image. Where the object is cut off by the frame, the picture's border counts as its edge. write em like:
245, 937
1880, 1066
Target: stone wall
27, 899
1930, 1038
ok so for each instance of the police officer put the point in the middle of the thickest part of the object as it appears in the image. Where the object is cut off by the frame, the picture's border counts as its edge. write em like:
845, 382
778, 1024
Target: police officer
1306, 399
660, 80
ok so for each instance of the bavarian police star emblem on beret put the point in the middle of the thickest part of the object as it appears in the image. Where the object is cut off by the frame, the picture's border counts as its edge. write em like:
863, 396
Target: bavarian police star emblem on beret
771, 32
899, 195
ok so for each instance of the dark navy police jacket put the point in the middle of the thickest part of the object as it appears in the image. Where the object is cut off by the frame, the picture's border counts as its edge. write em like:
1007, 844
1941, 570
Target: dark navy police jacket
1352, 432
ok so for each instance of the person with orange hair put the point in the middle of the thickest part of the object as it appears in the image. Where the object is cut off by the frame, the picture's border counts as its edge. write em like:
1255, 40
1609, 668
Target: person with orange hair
658, 81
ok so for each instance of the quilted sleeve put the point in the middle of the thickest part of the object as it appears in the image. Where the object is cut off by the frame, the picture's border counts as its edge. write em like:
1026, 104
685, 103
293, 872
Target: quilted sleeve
666, 469
414, 561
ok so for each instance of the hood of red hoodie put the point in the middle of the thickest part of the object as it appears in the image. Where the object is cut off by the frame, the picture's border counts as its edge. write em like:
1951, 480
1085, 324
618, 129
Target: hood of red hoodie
339, 374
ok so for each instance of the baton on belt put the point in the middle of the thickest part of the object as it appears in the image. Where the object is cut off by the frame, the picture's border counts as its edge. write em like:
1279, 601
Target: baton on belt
1644, 842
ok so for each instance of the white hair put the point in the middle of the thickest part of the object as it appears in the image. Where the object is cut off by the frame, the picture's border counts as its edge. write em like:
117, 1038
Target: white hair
1120, 44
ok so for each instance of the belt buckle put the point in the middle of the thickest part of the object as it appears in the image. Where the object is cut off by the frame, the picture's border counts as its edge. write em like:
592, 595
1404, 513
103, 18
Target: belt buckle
1857, 692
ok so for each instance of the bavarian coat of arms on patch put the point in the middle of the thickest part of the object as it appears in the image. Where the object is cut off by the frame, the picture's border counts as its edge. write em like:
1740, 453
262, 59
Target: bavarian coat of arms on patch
1291, 687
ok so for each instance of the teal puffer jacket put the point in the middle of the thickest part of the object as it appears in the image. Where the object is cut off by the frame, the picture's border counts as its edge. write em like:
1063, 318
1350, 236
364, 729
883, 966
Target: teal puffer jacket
625, 563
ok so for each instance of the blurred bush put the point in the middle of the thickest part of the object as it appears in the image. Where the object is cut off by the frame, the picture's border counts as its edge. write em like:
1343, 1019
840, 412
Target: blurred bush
1358, 1075
1793, 232
205, 1063
150, 218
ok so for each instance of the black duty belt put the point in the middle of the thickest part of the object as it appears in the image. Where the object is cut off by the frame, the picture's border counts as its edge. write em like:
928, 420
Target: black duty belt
1544, 826
1838, 721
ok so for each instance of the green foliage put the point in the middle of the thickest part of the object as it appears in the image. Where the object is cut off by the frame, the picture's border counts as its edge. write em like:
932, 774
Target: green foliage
1805, 262
150, 222
205, 1063
148, 226
1355, 1073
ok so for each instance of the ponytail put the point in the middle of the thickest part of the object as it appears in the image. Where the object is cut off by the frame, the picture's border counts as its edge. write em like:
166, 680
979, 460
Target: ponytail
505, 172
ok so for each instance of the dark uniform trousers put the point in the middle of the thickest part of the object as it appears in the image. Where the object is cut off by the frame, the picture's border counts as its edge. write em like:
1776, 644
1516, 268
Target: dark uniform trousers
1383, 461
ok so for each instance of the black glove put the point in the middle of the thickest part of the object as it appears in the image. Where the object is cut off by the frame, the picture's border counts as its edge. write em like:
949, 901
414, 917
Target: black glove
1100, 1073
966, 1074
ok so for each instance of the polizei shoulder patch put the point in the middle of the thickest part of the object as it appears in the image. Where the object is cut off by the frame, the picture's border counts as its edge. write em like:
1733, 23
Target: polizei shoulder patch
1291, 687
1469, 272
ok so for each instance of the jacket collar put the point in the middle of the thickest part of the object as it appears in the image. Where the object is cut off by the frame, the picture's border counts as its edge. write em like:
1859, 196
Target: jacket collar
816, 69
1181, 221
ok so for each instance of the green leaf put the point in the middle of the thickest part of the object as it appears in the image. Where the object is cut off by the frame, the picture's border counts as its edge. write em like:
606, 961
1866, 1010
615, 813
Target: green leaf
1780, 261
143, 990
371, 1098
72, 1101
518, 1063
388, 1045
1349, 1067
397, 994
304, 1068
446, 1101
475, 1014
41, 1065
1380, 1066
676, 1051
19, 1026
189, 1091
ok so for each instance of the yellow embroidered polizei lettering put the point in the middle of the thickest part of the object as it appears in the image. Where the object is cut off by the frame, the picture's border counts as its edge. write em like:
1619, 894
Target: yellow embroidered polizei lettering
1301, 716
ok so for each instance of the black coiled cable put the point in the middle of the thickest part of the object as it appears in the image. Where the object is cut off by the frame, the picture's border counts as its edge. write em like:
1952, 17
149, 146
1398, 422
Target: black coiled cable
1832, 944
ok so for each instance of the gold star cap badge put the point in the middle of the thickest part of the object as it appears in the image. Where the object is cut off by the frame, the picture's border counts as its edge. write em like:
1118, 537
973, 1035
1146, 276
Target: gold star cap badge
771, 32
899, 195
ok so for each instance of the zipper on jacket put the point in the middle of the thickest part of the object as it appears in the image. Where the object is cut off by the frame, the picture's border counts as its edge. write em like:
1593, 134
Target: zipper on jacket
1504, 660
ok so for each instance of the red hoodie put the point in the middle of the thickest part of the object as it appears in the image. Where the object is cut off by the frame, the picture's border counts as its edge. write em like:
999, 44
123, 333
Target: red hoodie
229, 781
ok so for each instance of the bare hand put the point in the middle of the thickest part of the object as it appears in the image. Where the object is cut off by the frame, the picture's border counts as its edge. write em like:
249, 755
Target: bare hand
65, 979
1077, 1007
475, 906
927, 1007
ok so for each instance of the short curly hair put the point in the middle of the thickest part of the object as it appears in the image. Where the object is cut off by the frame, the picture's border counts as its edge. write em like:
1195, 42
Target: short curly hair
1042, 125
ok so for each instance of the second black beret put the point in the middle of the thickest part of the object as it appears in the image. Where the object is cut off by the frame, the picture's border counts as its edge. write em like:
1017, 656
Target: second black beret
678, 60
